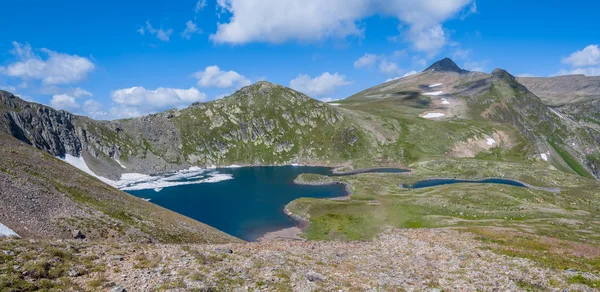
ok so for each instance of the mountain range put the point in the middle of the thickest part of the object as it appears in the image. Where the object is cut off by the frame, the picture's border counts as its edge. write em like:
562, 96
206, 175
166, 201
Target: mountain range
442, 122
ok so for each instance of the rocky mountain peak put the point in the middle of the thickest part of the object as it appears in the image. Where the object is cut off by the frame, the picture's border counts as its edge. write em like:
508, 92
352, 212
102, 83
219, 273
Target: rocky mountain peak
501, 74
445, 65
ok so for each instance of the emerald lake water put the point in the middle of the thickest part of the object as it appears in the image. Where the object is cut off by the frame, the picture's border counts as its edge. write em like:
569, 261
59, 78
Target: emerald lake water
248, 204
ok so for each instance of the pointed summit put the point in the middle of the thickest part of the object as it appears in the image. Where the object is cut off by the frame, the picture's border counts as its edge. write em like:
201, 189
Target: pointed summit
446, 65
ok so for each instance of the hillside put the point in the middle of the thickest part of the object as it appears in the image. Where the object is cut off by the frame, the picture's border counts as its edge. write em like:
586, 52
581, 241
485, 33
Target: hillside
476, 107
43, 197
561, 90
444, 122
259, 124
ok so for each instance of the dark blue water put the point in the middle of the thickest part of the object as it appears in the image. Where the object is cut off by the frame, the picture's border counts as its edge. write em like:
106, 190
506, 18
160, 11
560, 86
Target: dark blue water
248, 205
439, 182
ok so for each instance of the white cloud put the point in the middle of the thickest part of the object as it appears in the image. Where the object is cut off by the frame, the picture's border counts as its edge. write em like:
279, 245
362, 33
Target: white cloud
413, 72
589, 71
8, 88
56, 68
368, 60
79, 92
213, 76
137, 101
64, 102
94, 109
471, 10
389, 68
329, 99
200, 5
277, 21
589, 56
190, 28
321, 85
428, 40
161, 34
525, 75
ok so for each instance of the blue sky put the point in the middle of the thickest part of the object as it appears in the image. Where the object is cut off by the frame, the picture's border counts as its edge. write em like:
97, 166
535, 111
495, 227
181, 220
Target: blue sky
114, 59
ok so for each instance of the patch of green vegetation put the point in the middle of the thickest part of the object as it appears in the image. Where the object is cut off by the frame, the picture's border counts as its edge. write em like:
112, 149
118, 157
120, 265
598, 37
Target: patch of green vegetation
570, 160
33, 266
580, 279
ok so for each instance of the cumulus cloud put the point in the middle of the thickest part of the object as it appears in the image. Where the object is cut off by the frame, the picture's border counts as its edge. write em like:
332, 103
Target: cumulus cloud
190, 29
277, 21
55, 68
94, 109
8, 88
79, 92
137, 101
368, 60
213, 76
321, 85
589, 56
589, 71
200, 5
64, 102
161, 34
389, 67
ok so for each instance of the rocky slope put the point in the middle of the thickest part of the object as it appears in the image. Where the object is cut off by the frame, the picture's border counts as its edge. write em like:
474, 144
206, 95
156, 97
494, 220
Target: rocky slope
421, 260
43, 197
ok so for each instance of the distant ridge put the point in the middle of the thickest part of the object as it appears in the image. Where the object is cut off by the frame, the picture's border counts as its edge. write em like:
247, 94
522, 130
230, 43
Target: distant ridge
446, 65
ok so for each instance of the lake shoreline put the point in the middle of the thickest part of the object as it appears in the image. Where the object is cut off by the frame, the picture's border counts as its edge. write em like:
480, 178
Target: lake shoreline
294, 232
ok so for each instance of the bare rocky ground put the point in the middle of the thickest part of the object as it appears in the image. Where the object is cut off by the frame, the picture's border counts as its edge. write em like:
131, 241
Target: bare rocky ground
398, 260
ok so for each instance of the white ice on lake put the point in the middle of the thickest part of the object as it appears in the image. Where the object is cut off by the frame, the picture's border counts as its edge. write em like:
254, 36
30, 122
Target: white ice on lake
138, 181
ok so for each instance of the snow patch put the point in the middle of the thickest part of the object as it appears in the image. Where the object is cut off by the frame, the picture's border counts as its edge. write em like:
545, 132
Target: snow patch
147, 200
556, 113
491, 141
233, 166
119, 162
7, 232
294, 164
434, 85
433, 93
545, 156
433, 115
445, 101
79, 163
334, 104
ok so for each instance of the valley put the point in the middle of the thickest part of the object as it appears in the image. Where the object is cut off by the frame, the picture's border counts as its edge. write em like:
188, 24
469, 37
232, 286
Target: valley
261, 160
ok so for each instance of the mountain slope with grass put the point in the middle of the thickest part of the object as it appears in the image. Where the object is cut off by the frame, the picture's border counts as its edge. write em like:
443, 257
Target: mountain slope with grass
44, 197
